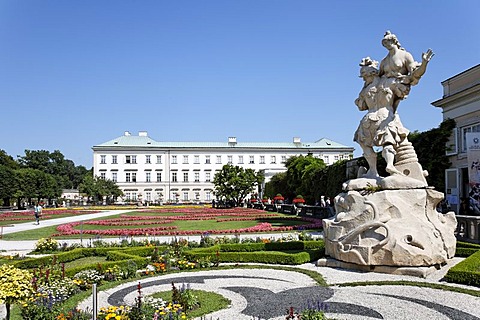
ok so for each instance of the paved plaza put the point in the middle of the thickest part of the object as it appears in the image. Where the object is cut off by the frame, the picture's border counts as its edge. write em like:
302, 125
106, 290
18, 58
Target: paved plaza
269, 293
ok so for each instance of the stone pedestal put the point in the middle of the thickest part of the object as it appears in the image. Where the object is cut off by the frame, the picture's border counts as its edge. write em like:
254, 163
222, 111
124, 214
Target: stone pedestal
390, 228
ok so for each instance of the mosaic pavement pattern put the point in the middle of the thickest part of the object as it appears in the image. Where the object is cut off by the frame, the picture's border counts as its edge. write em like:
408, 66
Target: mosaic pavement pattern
269, 293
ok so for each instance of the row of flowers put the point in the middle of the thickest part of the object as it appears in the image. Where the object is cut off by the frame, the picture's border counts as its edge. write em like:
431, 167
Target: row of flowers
68, 229
206, 210
13, 214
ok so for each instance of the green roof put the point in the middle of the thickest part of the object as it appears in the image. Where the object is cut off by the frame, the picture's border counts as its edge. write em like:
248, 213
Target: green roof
131, 141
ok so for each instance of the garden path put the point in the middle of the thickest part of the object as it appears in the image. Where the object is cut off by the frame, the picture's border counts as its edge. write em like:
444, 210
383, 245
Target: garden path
269, 293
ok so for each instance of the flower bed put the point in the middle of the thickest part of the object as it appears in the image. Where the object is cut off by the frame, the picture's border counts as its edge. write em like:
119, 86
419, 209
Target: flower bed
227, 215
46, 214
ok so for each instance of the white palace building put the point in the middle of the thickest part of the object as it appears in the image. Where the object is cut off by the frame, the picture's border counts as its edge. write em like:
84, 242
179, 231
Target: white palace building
153, 171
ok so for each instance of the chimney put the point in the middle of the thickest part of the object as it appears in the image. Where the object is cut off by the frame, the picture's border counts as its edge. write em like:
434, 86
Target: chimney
127, 133
297, 140
143, 134
232, 140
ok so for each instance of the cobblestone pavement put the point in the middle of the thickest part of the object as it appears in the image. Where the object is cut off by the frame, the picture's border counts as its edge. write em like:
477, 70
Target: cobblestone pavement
269, 293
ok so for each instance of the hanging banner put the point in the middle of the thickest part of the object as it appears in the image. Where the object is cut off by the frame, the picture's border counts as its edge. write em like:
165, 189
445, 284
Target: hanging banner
473, 158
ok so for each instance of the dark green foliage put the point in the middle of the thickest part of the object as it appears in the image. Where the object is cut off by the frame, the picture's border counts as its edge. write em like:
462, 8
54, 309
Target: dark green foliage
461, 244
466, 249
465, 252
431, 148
277, 184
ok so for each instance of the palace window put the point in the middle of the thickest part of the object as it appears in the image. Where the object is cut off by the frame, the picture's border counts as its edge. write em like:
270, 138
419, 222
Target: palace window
465, 130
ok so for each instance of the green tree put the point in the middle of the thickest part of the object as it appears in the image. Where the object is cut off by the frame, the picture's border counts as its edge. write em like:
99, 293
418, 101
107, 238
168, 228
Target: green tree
67, 175
36, 184
8, 184
7, 160
277, 184
97, 188
301, 172
235, 183
36, 159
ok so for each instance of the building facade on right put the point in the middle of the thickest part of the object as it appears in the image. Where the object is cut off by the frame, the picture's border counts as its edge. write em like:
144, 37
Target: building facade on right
460, 102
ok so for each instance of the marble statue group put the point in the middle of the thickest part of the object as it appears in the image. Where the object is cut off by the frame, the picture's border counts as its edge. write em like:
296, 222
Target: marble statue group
389, 221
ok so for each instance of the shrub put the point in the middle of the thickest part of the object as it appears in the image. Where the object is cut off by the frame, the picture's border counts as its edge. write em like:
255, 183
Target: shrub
86, 278
46, 245
466, 272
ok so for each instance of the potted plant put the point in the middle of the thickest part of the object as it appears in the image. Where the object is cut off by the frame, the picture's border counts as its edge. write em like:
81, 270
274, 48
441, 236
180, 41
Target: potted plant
278, 199
299, 201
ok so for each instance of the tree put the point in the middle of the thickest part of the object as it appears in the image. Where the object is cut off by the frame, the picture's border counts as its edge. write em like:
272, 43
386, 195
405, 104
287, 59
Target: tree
98, 188
235, 183
34, 183
301, 172
277, 184
8, 184
7, 161
67, 175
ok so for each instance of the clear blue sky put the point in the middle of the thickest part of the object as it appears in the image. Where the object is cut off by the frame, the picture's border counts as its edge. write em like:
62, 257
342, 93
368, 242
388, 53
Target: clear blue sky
74, 74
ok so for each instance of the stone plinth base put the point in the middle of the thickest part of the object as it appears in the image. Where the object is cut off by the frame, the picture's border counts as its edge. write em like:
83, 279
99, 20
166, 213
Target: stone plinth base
421, 272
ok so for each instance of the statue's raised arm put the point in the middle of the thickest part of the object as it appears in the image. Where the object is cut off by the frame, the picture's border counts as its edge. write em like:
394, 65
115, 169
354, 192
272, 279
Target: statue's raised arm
400, 64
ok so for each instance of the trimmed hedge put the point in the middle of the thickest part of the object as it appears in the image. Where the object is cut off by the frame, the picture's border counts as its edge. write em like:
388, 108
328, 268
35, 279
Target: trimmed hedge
272, 257
294, 252
116, 256
465, 252
467, 271
461, 244
140, 262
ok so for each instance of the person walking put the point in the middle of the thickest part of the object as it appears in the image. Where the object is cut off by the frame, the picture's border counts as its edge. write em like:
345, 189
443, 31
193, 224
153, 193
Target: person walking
38, 212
